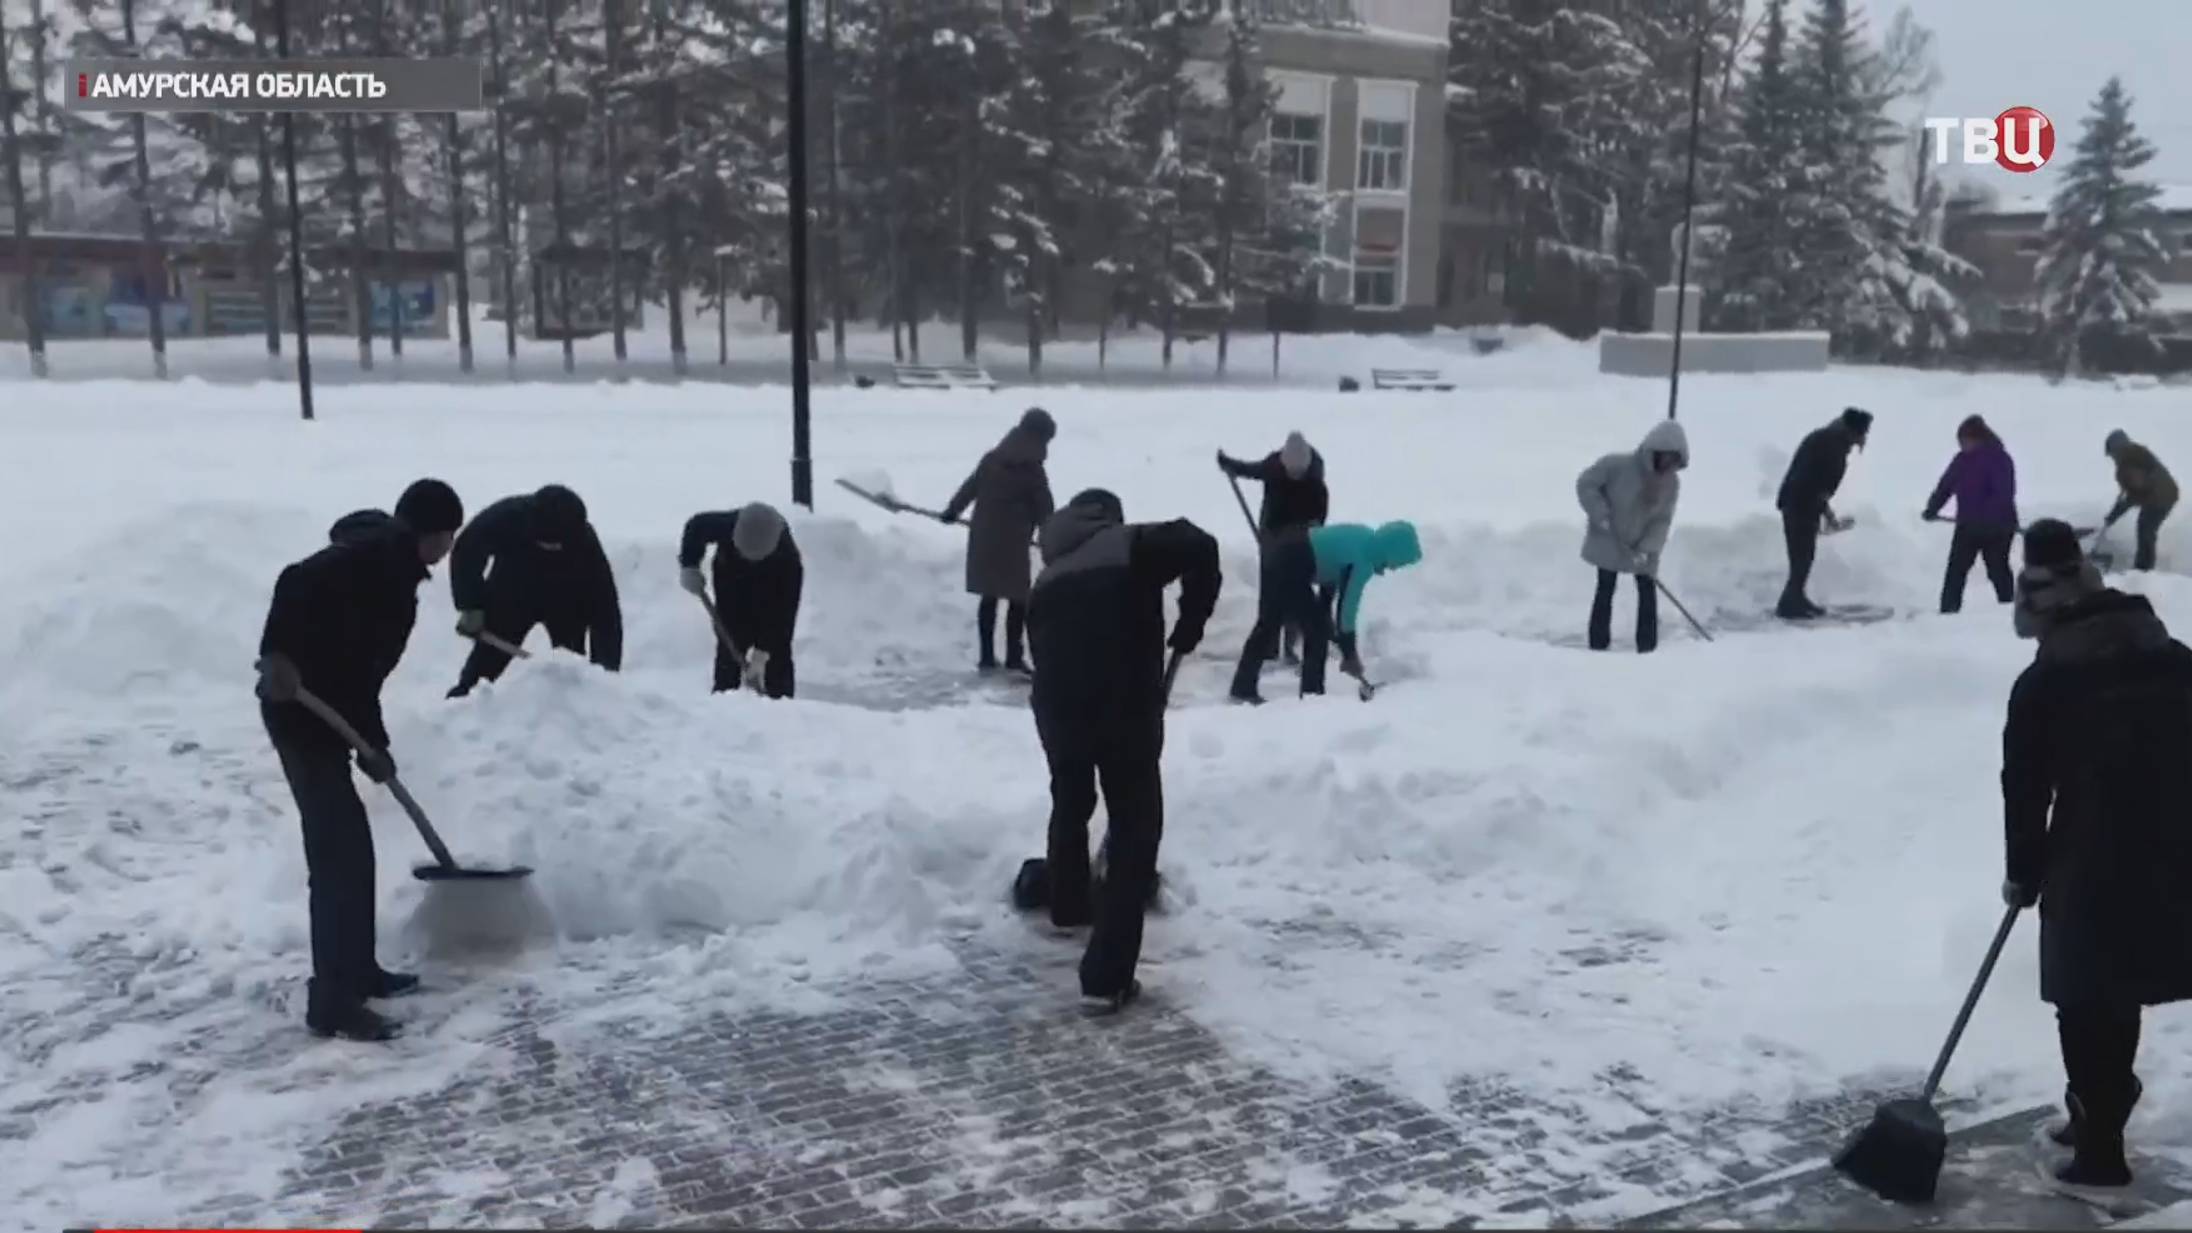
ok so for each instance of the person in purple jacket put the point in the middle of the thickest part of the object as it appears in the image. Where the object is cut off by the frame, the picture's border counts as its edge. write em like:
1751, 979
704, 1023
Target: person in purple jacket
1983, 481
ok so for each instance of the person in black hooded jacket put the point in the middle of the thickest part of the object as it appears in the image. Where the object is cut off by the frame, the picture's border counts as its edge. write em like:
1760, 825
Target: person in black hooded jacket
758, 577
338, 624
1805, 501
2096, 786
1295, 498
1096, 625
549, 569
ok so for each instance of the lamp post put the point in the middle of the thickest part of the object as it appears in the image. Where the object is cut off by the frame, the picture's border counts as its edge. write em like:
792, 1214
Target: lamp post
1689, 202
795, 69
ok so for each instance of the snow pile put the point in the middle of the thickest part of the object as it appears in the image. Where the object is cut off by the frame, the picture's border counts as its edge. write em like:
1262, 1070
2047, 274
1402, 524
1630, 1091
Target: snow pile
1621, 886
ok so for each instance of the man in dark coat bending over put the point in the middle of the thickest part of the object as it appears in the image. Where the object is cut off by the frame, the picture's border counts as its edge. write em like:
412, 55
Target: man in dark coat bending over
1096, 621
339, 622
758, 577
2096, 792
1295, 498
1814, 476
549, 569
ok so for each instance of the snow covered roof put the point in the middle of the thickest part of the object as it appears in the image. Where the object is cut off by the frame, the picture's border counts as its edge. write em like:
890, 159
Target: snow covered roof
2174, 198
2175, 298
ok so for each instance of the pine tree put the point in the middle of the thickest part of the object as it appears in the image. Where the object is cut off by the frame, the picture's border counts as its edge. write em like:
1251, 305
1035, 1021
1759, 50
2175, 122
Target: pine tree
2103, 245
1759, 270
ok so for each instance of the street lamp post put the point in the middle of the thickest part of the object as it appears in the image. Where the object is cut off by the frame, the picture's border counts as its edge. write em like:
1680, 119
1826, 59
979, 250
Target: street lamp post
795, 67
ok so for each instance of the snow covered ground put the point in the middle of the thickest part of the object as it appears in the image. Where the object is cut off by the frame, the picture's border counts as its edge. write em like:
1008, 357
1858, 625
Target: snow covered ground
1761, 868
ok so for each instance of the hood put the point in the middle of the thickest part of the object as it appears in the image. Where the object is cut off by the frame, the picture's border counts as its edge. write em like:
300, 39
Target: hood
362, 525
2116, 442
2103, 624
1295, 456
1079, 522
1029, 440
1395, 546
1666, 436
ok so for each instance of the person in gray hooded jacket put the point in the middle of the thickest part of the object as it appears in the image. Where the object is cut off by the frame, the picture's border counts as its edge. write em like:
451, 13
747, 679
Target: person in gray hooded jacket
1629, 500
1010, 493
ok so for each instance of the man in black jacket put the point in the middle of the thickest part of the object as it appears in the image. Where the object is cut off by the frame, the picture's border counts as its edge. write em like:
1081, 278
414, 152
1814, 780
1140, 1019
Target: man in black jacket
1814, 475
549, 569
338, 624
758, 578
2096, 786
1096, 622
1294, 498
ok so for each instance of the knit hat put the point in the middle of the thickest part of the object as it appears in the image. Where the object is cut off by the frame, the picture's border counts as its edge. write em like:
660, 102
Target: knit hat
2051, 545
1038, 423
1296, 455
1858, 421
558, 514
1975, 428
2117, 439
430, 507
757, 532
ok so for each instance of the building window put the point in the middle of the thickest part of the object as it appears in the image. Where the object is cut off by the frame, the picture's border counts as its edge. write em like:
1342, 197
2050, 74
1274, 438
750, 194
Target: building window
1382, 163
1377, 281
1297, 149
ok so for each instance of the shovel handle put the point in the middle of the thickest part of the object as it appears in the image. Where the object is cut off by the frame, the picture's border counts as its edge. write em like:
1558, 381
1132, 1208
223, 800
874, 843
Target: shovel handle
500, 643
311, 702
715, 618
1971, 1003
1172, 669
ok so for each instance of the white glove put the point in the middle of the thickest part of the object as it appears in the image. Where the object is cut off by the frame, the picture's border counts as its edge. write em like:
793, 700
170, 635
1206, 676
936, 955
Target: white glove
471, 621
757, 663
692, 581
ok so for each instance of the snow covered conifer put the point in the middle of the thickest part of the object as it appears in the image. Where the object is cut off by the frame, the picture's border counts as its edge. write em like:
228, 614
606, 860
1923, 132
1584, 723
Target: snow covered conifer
2102, 245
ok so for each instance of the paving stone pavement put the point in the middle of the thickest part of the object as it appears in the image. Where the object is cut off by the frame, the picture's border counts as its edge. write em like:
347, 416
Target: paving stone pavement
983, 1100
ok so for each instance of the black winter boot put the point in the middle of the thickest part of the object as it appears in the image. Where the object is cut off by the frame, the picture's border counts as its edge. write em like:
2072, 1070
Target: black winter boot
326, 1015
2064, 1133
2098, 1159
393, 985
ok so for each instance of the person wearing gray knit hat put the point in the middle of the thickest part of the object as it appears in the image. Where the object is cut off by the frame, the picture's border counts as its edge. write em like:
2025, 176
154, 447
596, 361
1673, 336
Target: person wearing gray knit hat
1010, 492
2145, 485
759, 576
2095, 788
1295, 498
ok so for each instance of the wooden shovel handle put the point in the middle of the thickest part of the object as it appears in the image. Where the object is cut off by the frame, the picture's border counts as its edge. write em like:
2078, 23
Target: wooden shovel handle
332, 719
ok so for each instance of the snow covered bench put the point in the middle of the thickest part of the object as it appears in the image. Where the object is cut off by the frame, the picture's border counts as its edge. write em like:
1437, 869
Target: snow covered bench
942, 377
1408, 379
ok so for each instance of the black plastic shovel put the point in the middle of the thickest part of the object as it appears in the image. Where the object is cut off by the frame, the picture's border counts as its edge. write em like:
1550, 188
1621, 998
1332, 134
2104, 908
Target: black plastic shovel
278, 683
1898, 1156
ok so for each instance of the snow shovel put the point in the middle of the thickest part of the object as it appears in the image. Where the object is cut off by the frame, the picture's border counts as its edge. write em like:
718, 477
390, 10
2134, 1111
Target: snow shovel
278, 683
500, 643
1679, 608
1234, 480
2103, 559
1898, 1156
715, 618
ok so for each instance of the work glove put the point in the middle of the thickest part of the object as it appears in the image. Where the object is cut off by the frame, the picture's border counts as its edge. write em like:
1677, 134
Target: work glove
2018, 895
1932, 515
949, 520
1602, 526
472, 622
278, 678
1221, 460
1185, 638
378, 765
693, 583
757, 663
1647, 564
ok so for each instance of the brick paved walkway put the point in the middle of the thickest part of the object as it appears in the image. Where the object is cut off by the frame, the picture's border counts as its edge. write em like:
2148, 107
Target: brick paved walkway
984, 1100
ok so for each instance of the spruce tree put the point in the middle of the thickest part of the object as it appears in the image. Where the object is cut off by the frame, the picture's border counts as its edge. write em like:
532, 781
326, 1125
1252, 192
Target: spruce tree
2103, 245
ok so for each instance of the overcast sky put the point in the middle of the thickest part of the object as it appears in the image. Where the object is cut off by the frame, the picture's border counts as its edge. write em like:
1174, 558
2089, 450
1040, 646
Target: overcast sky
2055, 55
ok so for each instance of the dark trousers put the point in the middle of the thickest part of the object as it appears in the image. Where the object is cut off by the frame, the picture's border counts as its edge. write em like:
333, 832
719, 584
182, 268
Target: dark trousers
730, 671
1290, 636
2148, 530
512, 612
338, 862
1800, 532
1968, 545
1286, 591
985, 628
1124, 757
1602, 612
2100, 1043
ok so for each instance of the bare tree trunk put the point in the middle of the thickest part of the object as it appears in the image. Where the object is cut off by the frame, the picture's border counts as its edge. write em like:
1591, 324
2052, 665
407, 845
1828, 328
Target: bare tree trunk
34, 316
361, 298
832, 203
44, 112
673, 228
154, 260
458, 225
391, 196
893, 171
612, 16
505, 240
270, 294
1225, 288
555, 192
970, 143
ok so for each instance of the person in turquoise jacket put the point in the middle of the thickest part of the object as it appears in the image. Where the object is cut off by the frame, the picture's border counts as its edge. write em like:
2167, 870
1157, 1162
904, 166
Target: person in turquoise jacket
1344, 557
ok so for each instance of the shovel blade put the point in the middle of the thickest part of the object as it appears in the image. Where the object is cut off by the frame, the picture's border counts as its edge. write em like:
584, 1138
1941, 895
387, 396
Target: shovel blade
1898, 1155
459, 873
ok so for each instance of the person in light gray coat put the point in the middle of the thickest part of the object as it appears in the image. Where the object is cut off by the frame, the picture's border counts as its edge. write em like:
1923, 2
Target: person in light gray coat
1629, 499
1010, 492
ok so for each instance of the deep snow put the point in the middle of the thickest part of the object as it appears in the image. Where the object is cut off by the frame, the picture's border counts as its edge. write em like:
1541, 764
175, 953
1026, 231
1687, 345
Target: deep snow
1751, 870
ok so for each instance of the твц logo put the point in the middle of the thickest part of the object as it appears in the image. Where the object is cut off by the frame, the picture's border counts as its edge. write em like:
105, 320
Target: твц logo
2020, 139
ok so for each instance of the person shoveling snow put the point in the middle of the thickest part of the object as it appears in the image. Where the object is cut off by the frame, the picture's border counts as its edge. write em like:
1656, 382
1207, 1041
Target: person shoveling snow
758, 578
549, 569
337, 626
